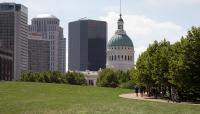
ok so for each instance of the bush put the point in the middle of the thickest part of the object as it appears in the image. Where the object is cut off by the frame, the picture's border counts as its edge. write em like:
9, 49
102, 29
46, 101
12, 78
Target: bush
75, 78
107, 78
54, 77
127, 85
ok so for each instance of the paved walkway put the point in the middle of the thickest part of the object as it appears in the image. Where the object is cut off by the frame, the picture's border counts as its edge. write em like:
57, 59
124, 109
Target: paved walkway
133, 96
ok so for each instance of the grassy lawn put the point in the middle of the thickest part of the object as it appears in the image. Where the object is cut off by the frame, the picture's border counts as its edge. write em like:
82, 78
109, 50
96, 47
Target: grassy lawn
38, 98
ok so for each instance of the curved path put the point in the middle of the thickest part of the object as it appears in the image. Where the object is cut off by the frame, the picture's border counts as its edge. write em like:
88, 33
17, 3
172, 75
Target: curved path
133, 96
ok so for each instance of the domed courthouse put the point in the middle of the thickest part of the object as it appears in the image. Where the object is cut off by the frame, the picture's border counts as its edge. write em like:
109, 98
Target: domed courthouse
120, 49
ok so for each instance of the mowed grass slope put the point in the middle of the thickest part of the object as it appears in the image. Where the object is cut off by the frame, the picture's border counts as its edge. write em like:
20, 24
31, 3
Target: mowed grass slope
40, 98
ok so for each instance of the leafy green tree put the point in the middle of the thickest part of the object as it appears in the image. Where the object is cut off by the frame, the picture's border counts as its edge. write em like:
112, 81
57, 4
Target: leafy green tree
122, 76
185, 64
107, 78
143, 71
152, 66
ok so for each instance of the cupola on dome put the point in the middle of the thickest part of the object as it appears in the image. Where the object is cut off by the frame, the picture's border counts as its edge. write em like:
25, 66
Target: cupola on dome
120, 38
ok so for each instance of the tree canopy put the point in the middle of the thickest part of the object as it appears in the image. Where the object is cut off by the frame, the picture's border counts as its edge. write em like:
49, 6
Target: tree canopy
164, 65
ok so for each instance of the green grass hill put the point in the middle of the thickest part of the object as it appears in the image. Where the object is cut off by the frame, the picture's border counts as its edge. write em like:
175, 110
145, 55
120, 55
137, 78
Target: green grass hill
41, 98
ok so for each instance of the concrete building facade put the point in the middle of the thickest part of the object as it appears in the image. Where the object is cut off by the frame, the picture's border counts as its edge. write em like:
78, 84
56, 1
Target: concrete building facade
49, 27
14, 35
38, 53
87, 45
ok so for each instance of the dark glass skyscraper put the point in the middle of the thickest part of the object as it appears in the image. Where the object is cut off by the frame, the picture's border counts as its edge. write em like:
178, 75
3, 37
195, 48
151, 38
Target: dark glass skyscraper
87, 45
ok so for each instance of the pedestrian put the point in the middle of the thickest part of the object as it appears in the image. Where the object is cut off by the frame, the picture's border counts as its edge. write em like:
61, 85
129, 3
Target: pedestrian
173, 94
136, 90
141, 91
168, 95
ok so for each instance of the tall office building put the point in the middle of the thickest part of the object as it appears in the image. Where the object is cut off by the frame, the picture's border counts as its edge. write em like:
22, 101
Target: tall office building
14, 35
6, 64
48, 26
87, 45
38, 53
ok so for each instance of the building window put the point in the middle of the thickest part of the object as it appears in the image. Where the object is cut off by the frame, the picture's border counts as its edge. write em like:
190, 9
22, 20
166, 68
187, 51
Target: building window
115, 58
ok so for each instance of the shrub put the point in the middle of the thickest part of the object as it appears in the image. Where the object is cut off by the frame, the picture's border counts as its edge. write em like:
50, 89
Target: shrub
75, 78
54, 77
127, 85
107, 78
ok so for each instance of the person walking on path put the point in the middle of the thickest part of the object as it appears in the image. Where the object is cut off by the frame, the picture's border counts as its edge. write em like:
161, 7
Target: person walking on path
168, 96
173, 97
136, 90
141, 91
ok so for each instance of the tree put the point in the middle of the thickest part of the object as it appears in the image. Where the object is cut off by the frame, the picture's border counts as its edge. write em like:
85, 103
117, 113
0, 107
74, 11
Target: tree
122, 76
107, 78
185, 64
152, 66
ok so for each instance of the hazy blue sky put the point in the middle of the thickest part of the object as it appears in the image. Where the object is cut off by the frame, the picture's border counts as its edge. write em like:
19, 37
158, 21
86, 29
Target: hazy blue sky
145, 20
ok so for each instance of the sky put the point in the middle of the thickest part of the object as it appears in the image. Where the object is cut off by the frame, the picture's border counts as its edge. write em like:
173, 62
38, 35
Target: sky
145, 20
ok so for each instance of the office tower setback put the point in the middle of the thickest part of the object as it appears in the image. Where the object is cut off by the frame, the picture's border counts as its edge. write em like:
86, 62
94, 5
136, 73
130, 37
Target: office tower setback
38, 53
14, 36
87, 45
48, 26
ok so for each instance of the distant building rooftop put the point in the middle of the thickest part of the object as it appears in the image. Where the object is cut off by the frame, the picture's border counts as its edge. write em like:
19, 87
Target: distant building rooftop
45, 16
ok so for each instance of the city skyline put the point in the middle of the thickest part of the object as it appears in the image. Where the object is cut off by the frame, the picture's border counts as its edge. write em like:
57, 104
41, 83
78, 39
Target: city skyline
145, 20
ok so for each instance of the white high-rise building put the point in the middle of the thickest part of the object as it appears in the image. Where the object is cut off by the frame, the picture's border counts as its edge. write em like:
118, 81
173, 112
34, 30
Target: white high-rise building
49, 27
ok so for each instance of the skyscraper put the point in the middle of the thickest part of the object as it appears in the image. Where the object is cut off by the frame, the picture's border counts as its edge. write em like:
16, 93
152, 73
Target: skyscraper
49, 27
6, 64
14, 35
87, 45
38, 53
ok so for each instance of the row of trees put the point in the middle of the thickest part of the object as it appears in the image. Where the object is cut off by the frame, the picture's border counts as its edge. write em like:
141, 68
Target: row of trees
117, 78
164, 65
54, 77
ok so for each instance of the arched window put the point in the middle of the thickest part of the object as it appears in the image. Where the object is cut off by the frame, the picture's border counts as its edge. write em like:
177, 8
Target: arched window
125, 57
128, 58
122, 57
118, 57
115, 58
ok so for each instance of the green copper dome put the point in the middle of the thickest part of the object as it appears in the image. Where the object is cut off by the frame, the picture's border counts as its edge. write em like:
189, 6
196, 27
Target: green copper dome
120, 40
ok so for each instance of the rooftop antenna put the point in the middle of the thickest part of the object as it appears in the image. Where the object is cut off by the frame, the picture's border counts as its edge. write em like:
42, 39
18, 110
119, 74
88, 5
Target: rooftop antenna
120, 8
